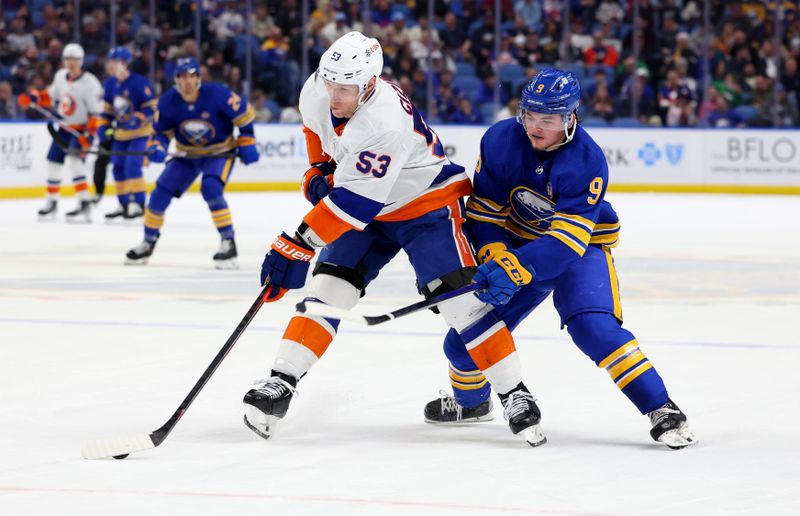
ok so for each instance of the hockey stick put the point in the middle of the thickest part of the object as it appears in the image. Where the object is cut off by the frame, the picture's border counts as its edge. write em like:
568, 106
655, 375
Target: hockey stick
323, 310
102, 152
120, 447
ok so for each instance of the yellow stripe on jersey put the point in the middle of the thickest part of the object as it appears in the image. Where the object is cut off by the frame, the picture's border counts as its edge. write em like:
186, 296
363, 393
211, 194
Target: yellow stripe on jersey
579, 232
577, 219
568, 242
245, 118
226, 170
150, 103
472, 215
216, 148
488, 203
481, 206
614, 281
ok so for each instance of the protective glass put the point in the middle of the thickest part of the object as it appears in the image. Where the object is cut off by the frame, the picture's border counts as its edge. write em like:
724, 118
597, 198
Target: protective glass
544, 121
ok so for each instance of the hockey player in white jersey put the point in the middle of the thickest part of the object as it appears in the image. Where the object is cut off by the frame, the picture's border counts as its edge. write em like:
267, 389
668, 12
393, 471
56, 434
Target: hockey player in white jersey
380, 182
77, 96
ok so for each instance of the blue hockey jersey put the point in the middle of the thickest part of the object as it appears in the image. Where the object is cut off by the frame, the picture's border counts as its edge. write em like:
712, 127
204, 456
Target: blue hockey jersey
548, 205
204, 126
131, 105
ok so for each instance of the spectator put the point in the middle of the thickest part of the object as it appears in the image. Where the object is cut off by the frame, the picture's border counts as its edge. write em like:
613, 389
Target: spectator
259, 103
8, 102
19, 40
531, 13
601, 104
291, 115
511, 109
335, 29
465, 113
600, 52
722, 116
261, 23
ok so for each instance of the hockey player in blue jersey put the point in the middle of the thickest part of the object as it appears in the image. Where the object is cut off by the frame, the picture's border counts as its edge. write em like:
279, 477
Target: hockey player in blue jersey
538, 201
129, 107
201, 118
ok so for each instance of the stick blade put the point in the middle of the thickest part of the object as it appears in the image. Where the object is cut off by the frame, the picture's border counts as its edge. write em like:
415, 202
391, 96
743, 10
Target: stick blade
116, 446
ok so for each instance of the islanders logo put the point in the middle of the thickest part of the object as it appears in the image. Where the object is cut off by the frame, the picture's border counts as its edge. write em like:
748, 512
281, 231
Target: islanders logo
531, 208
197, 132
67, 105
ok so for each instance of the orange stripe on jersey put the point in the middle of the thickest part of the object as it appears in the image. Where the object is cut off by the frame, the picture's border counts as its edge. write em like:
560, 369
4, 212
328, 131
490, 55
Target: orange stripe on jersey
314, 147
492, 350
308, 333
326, 224
429, 202
464, 250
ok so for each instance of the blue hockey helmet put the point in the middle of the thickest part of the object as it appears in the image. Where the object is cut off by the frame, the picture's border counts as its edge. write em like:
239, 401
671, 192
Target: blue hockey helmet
120, 54
187, 65
552, 91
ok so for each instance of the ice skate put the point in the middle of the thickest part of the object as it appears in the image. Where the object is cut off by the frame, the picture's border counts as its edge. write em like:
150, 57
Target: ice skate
519, 408
140, 254
267, 402
670, 426
48, 211
116, 216
134, 211
81, 214
225, 258
446, 410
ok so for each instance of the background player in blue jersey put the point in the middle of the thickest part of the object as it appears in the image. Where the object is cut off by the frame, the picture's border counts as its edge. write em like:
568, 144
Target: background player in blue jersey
129, 106
538, 217
201, 118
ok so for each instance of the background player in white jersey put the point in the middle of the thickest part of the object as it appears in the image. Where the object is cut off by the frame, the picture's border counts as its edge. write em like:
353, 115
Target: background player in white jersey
393, 188
78, 98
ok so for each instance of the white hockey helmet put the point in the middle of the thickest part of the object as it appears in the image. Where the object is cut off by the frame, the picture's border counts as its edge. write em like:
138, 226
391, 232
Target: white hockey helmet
352, 59
73, 50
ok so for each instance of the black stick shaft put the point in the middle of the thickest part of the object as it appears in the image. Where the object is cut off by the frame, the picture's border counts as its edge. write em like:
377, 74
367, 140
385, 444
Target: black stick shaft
159, 435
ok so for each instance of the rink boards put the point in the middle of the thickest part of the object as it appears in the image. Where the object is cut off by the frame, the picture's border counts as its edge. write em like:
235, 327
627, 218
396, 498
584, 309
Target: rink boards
640, 159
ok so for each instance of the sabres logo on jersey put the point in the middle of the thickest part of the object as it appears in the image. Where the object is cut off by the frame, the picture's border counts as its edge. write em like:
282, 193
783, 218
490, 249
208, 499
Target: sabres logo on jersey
122, 106
531, 208
197, 132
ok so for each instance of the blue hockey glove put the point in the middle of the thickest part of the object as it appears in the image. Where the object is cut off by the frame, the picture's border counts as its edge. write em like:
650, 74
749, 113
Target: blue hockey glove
248, 152
136, 121
504, 275
318, 182
286, 265
156, 152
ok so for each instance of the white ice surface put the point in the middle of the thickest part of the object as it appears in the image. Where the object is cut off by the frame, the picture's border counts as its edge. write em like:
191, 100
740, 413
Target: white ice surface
91, 348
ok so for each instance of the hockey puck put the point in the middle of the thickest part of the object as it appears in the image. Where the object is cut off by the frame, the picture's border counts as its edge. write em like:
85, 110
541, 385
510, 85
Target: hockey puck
120, 457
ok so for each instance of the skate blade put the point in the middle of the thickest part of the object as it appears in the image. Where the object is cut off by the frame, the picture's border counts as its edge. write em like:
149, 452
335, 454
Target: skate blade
138, 261
79, 221
46, 218
480, 419
226, 265
260, 423
534, 435
678, 438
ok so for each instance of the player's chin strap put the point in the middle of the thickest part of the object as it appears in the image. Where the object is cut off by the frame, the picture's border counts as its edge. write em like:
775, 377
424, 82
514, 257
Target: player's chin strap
569, 134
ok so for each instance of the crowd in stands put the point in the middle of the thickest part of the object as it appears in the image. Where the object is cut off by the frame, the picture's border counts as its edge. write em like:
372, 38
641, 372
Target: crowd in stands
751, 81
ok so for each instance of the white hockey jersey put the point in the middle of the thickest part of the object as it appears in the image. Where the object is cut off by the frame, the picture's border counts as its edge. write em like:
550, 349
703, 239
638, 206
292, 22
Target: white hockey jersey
77, 99
390, 166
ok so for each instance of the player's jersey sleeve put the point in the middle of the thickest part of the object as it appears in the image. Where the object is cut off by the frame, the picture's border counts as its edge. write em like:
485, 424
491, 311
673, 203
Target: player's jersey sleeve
94, 96
240, 111
580, 191
164, 123
488, 206
363, 181
314, 147
145, 99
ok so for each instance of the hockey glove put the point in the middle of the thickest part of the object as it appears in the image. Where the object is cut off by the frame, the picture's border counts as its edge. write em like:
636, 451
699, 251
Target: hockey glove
248, 152
318, 181
156, 152
504, 275
488, 251
105, 133
285, 265
136, 121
